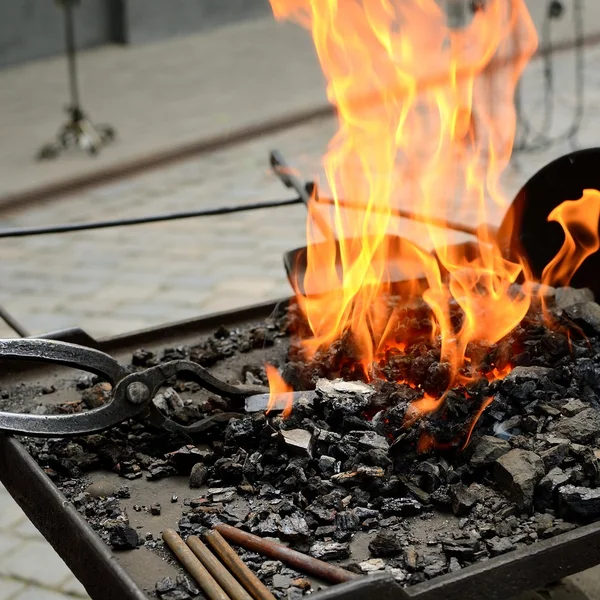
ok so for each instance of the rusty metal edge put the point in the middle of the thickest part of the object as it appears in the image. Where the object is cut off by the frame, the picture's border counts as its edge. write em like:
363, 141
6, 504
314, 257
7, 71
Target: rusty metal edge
162, 158
85, 553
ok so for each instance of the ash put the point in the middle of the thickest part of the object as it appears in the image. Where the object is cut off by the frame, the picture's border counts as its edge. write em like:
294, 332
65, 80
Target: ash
353, 476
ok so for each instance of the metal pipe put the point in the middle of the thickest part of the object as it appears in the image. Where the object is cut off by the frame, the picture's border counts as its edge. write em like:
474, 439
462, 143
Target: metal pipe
297, 560
193, 566
236, 565
223, 577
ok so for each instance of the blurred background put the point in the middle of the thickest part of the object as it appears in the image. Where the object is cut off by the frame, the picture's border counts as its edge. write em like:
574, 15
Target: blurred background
181, 102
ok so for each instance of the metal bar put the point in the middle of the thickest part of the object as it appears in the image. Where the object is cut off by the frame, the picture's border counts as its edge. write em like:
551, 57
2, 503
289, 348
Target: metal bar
193, 566
189, 214
295, 559
85, 553
71, 56
223, 577
236, 565
13, 323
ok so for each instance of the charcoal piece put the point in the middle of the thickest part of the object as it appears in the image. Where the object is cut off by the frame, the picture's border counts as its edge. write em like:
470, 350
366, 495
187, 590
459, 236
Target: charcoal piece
324, 439
438, 377
321, 513
568, 296
385, 543
497, 546
462, 499
159, 470
585, 314
372, 565
516, 473
325, 531
453, 565
301, 583
362, 473
581, 428
294, 528
166, 584
421, 495
366, 513
198, 475
463, 549
269, 568
143, 358
97, 395
330, 550
155, 509
554, 457
441, 498
558, 528
578, 503
368, 440
410, 558
185, 458
402, 507
542, 522
187, 585
434, 564
327, 464
347, 520
239, 431
546, 490
487, 450
522, 374
298, 440
572, 407
123, 537
270, 525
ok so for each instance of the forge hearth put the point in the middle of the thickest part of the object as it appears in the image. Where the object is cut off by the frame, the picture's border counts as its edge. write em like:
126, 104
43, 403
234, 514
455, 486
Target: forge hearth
347, 477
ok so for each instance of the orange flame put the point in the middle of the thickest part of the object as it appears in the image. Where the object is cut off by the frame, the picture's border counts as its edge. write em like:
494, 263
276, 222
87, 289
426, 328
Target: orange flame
579, 220
279, 391
421, 123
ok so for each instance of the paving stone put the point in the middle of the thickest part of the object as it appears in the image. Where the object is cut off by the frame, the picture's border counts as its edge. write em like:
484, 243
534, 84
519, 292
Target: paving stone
36, 563
37, 593
9, 588
75, 588
9, 542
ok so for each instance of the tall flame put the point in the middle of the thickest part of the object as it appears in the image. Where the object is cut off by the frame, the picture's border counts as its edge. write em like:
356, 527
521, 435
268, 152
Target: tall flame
426, 119
579, 220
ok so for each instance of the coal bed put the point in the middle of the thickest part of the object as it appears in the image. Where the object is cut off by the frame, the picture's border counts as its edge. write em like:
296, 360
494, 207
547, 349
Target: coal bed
354, 476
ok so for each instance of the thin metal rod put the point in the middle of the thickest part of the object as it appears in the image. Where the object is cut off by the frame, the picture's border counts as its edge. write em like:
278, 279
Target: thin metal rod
223, 577
406, 214
236, 565
71, 55
13, 323
193, 566
297, 560
211, 212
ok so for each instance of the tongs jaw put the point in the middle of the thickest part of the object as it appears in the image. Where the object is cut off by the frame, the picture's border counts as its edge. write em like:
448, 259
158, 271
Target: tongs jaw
131, 397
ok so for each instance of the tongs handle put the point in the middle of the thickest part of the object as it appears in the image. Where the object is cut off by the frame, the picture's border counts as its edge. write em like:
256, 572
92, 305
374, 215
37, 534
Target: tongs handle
64, 353
69, 355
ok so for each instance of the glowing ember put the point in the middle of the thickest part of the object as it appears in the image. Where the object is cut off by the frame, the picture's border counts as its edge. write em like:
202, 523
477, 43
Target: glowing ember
422, 125
279, 391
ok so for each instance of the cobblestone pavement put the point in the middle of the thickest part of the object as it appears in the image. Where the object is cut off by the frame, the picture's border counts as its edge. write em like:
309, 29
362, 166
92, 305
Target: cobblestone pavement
118, 280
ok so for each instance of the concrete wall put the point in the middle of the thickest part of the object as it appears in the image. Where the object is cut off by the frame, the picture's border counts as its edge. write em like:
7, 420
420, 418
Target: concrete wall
31, 29
149, 20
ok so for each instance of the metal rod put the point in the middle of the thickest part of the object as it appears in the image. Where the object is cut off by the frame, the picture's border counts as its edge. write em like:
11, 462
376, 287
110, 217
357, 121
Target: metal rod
297, 560
236, 565
71, 57
406, 214
211, 212
193, 566
223, 577
13, 323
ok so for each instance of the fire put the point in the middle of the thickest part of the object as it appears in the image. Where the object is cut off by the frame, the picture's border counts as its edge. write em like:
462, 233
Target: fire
426, 122
426, 146
579, 220
279, 390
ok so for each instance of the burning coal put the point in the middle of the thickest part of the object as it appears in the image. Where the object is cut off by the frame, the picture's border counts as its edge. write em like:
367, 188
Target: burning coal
422, 125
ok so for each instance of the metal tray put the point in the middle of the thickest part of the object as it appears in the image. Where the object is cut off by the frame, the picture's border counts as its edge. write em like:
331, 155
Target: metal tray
128, 575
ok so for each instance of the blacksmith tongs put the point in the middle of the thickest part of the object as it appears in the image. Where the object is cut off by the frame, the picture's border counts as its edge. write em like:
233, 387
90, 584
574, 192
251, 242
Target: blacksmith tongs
132, 392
